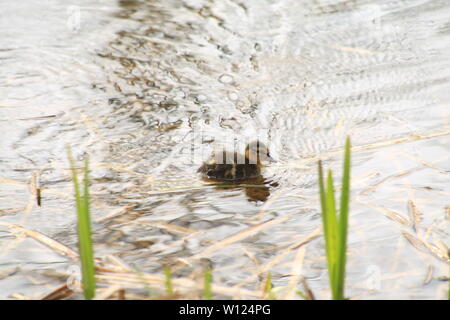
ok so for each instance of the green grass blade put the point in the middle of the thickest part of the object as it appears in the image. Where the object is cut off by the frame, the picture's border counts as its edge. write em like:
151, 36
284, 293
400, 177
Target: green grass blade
329, 224
343, 220
268, 292
84, 229
207, 290
332, 236
168, 280
268, 284
323, 203
322, 191
76, 185
335, 224
301, 295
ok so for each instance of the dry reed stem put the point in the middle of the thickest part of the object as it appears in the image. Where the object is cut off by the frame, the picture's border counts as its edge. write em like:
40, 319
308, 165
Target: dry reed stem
279, 257
426, 247
391, 214
119, 263
165, 226
429, 275
375, 145
12, 210
239, 236
296, 273
390, 177
20, 296
35, 187
104, 294
182, 189
10, 181
415, 242
115, 213
426, 163
59, 293
354, 50
133, 280
117, 167
52, 244
416, 216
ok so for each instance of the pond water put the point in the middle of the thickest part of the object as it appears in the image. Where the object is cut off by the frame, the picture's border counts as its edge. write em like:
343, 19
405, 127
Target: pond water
148, 89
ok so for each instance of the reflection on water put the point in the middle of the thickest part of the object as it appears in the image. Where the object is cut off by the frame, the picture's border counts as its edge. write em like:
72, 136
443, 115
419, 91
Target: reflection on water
256, 189
148, 88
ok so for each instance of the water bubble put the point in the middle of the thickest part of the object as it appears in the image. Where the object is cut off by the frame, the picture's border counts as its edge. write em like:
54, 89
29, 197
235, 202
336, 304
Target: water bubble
201, 98
74, 277
233, 96
208, 139
226, 79
180, 95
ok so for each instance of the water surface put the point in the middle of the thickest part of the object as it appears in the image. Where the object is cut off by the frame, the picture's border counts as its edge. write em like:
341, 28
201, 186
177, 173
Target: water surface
148, 89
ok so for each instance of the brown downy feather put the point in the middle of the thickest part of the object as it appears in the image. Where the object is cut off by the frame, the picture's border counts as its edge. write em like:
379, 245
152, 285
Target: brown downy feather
230, 166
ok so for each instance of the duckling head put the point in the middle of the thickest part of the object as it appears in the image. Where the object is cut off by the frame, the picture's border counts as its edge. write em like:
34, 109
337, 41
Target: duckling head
256, 152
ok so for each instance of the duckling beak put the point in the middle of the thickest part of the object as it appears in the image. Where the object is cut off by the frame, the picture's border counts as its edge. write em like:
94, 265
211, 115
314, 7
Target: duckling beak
270, 159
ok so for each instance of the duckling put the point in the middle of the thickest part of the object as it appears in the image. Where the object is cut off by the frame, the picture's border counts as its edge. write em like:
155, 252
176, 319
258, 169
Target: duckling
229, 166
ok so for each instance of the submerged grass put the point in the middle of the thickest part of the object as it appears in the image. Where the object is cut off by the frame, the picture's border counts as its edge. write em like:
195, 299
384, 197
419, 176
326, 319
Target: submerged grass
84, 228
335, 224
168, 280
268, 288
207, 290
